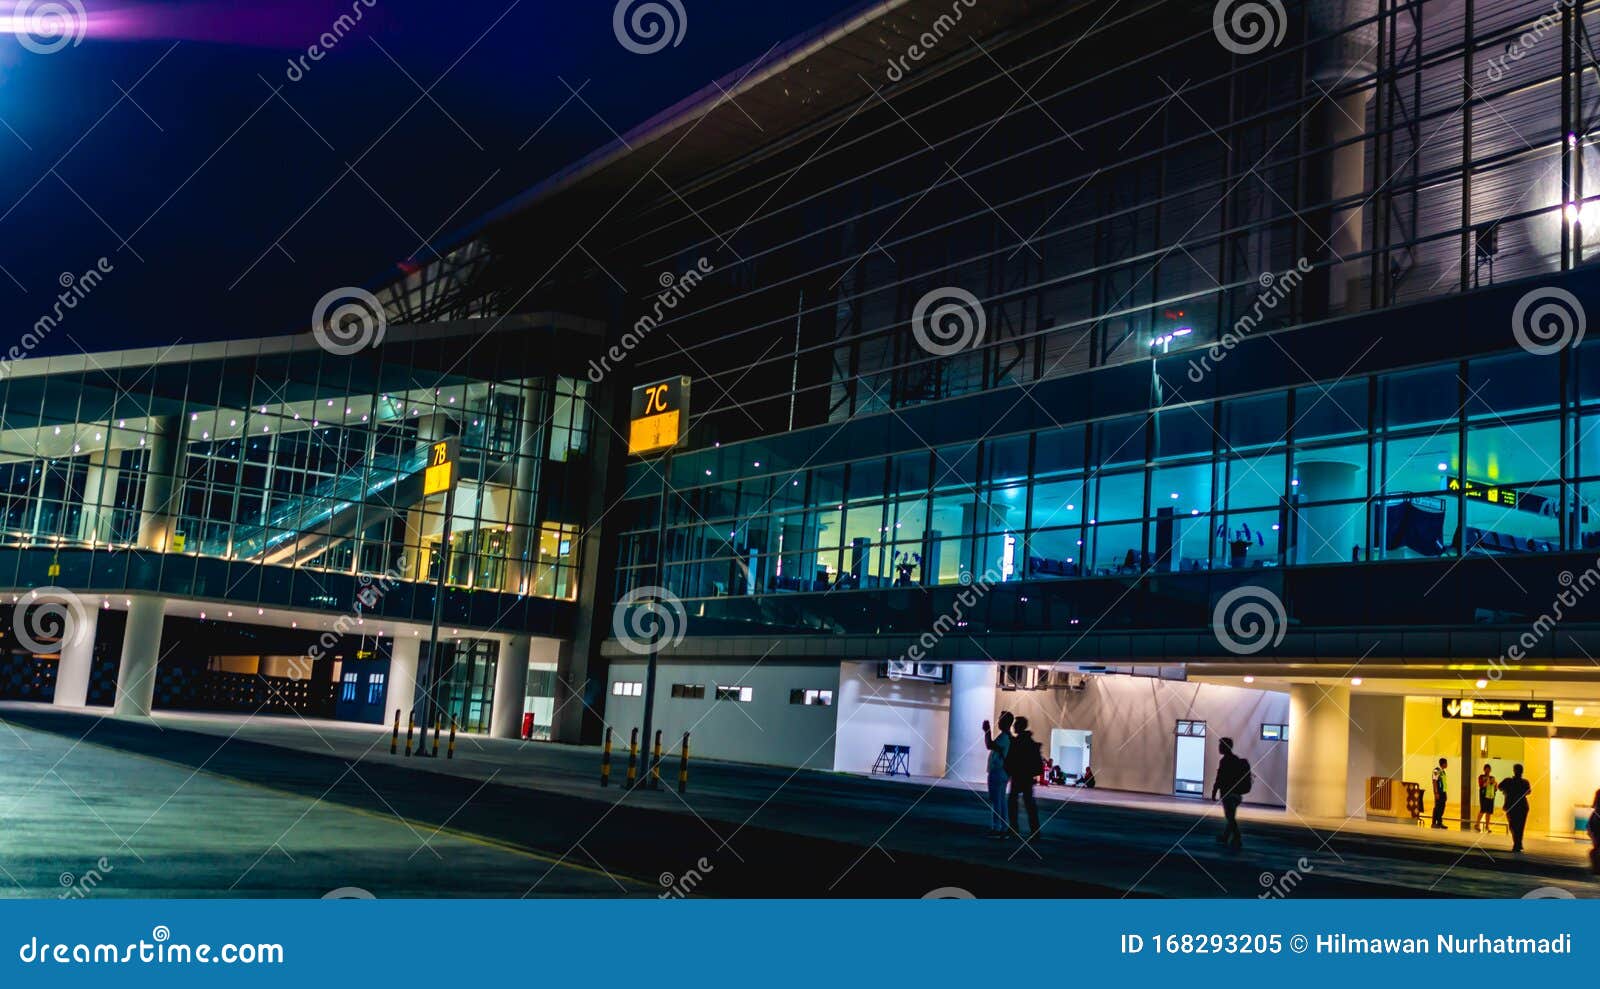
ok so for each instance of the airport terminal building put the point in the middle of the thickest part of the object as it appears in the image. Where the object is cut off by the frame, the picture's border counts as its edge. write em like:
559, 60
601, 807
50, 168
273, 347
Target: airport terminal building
1235, 388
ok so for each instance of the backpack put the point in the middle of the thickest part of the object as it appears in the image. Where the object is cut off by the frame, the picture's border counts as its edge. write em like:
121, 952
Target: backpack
1247, 779
1025, 758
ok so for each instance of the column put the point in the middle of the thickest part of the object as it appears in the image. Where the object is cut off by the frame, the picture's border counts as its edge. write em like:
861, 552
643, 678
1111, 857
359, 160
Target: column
402, 693
141, 652
510, 687
1319, 750
972, 694
160, 486
77, 660
99, 497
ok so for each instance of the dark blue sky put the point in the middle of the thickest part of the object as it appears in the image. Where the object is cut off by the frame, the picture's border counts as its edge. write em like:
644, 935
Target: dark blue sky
224, 211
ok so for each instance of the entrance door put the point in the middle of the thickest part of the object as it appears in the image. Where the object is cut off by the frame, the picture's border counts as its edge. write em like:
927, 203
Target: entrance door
1189, 770
1070, 748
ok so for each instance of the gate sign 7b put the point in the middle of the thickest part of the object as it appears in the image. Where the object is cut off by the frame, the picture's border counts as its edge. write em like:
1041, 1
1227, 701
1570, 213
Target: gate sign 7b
659, 415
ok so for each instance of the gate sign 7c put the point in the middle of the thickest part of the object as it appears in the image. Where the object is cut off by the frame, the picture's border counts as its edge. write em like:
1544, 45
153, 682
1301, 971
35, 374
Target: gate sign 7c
659, 415
440, 474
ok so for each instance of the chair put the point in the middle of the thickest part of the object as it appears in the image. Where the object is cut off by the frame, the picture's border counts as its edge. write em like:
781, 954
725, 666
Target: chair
894, 760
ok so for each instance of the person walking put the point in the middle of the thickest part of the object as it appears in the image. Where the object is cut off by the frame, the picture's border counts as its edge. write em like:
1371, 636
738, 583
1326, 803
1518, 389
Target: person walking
1024, 762
998, 745
1440, 793
1233, 781
1516, 790
1487, 790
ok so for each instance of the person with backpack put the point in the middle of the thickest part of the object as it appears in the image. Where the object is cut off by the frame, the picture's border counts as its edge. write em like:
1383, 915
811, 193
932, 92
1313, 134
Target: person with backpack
1024, 763
1233, 781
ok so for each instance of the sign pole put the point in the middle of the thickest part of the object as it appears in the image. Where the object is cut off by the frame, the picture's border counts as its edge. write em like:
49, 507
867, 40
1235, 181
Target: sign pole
657, 421
440, 476
656, 636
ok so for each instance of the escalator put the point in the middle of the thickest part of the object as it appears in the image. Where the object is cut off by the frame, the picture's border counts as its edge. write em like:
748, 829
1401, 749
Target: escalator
301, 528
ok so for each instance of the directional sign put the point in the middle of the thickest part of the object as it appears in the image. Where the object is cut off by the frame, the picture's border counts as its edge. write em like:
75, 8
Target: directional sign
1462, 708
440, 475
659, 415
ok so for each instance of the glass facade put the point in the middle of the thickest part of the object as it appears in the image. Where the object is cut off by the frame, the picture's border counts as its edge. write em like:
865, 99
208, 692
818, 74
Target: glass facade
1465, 458
289, 463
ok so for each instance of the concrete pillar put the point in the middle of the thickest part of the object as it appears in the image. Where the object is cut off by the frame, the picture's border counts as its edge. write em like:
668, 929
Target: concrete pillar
972, 693
1323, 534
510, 687
1319, 750
160, 486
77, 660
403, 658
1339, 172
141, 652
99, 498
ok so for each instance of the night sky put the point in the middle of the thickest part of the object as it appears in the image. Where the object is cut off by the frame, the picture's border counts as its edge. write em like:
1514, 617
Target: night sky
225, 211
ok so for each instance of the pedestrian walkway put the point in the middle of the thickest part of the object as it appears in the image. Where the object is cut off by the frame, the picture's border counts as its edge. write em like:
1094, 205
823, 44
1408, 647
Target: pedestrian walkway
854, 828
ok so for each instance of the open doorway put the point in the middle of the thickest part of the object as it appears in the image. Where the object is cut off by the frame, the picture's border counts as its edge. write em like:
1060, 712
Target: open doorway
1071, 748
1189, 765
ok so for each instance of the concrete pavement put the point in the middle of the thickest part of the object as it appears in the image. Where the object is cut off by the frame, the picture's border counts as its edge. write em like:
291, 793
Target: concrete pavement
767, 831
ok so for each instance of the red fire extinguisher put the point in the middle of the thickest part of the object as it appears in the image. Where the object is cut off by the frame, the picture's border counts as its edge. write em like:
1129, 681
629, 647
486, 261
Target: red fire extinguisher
527, 725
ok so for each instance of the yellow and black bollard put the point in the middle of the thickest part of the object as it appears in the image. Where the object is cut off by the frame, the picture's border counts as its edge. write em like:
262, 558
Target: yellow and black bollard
450, 753
605, 761
633, 758
394, 742
436, 721
411, 726
683, 765
655, 764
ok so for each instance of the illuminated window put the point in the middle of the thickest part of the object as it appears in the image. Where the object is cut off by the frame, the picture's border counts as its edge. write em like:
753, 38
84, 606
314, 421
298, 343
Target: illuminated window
743, 695
627, 688
811, 698
375, 688
350, 680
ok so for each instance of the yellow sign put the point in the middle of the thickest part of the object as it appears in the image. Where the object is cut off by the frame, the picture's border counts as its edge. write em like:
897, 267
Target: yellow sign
653, 433
179, 541
1492, 495
1508, 710
658, 415
440, 475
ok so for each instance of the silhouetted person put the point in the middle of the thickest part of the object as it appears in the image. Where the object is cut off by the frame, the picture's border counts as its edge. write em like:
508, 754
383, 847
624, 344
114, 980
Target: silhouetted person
1087, 779
1516, 790
1232, 782
1024, 763
1440, 793
998, 745
1594, 833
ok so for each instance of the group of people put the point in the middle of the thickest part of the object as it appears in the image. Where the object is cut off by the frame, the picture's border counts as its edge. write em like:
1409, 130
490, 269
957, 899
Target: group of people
1016, 761
1515, 788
